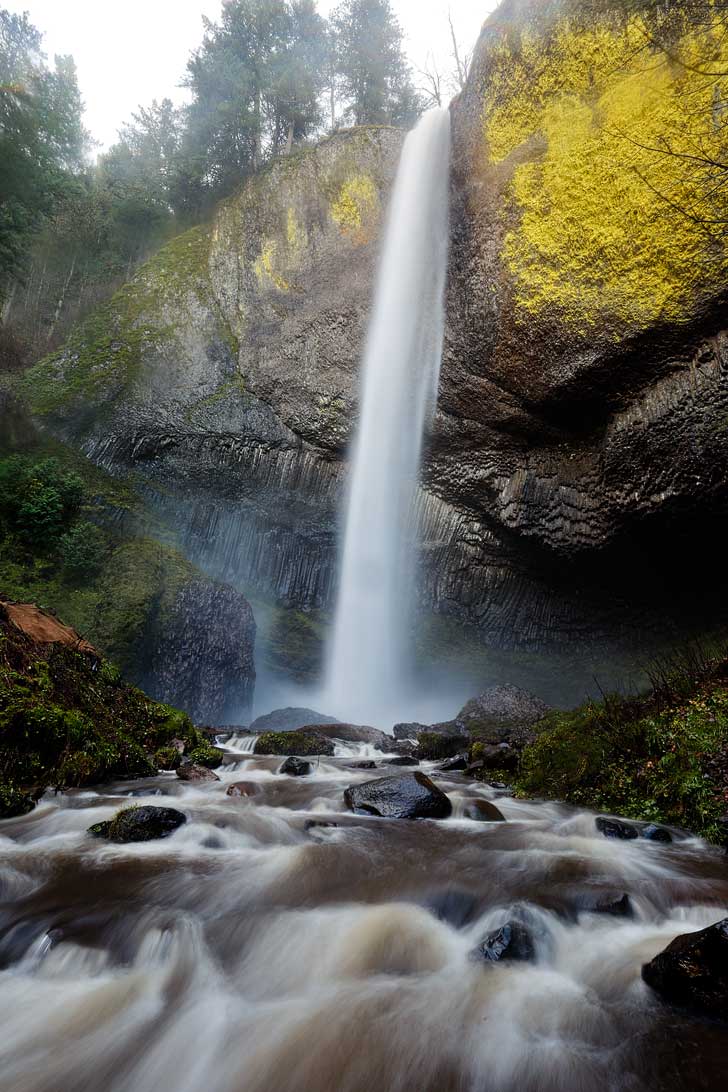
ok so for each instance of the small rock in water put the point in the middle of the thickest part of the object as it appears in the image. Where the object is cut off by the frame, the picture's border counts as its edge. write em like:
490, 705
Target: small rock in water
483, 811
145, 792
402, 760
653, 833
243, 788
139, 824
459, 762
311, 824
692, 972
189, 771
512, 941
365, 764
616, 903
408, 796
295, 767
615, 828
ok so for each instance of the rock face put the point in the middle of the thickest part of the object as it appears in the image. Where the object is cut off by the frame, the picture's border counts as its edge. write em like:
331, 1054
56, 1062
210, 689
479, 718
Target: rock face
411, 796
141, 824
502, 714
287, 720
579, 453
693, 971
204, 658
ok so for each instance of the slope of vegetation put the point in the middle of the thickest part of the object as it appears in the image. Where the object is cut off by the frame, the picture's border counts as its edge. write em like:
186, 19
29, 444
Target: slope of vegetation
662, 758
67, 718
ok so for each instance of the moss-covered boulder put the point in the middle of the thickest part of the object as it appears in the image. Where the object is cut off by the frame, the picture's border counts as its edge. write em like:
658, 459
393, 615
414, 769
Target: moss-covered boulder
293, 743
139, 824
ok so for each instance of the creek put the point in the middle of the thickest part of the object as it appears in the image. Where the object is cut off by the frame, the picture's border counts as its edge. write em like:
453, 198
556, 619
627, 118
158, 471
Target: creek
278, 941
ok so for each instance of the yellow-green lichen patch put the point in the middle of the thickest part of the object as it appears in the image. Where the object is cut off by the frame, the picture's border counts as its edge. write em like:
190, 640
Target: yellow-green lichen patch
355, 208
280, 254
619, 200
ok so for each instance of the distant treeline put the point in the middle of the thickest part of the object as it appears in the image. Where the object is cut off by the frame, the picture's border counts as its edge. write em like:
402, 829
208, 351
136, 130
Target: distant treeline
270, 75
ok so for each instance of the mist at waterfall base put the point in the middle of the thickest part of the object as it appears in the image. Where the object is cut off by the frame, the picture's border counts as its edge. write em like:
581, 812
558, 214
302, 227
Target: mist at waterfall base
369, 668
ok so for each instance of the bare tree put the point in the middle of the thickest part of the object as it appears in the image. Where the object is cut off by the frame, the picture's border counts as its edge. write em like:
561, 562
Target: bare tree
461, 60
430, 83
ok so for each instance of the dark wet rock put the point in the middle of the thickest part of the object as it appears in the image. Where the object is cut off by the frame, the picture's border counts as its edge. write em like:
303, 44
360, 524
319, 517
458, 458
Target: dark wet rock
513, 941
458, 762
692, 972
400, 746
500, 786
365, 764
243, 788
616, 903
288, 720
204, 660
483, 811
616, 828
455, 906
297, 743
401, 760
212, 842
475, 769
139, 824
653, 833
145, 792
295, 767
190, 771
313, 824
408, 730
497, 756
407, 796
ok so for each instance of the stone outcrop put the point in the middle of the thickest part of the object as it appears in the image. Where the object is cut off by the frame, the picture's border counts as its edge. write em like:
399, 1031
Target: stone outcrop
579, 453
203, 659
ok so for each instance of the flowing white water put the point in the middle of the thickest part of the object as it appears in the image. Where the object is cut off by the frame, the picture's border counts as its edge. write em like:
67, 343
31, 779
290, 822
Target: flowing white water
368, 662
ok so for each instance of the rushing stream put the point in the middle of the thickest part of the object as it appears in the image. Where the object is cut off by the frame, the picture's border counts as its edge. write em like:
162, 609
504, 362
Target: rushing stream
254, 952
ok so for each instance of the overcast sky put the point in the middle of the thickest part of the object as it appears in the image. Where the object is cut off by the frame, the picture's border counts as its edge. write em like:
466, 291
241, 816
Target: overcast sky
132, 52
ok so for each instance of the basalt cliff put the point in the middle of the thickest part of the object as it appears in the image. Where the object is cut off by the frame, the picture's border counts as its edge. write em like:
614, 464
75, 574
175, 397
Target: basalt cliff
574, 483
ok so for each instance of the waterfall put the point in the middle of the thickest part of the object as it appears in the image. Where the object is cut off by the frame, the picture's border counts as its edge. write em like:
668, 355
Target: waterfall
368, 663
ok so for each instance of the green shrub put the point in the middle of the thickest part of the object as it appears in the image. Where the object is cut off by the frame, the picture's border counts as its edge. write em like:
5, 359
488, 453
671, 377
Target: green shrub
82, 549
434, 745
663, 765
206, 755
167, 758
38, 499
14, 801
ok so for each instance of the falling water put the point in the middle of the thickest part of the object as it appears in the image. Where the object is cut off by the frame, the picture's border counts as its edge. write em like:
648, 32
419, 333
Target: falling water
368, 662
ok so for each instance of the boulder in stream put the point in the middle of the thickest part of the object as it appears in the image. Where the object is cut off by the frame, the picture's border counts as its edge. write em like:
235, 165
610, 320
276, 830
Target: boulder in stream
288, 720
616, 903
653, 833
483, 811
402, 760
616, 828
301, 743
692, 971
513, 941
139, 824
407, 796
243, 788
458, 762
295, 767
190, 771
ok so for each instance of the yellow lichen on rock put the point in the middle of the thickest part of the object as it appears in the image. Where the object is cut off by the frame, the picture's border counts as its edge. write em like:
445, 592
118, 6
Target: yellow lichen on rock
265, 266
619, 176
356, 207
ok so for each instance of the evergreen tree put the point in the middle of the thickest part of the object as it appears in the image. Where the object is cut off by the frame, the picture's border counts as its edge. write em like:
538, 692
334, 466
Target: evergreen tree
42, 140
256, 81
374, 76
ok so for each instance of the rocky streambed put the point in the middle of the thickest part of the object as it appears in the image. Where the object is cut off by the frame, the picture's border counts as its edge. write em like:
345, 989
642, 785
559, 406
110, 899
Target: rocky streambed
276, 938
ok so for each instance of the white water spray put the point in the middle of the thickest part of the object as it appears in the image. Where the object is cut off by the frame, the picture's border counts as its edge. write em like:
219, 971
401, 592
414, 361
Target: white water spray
368, 668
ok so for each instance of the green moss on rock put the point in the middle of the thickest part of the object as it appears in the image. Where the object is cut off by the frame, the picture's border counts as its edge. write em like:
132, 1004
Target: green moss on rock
293, 743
